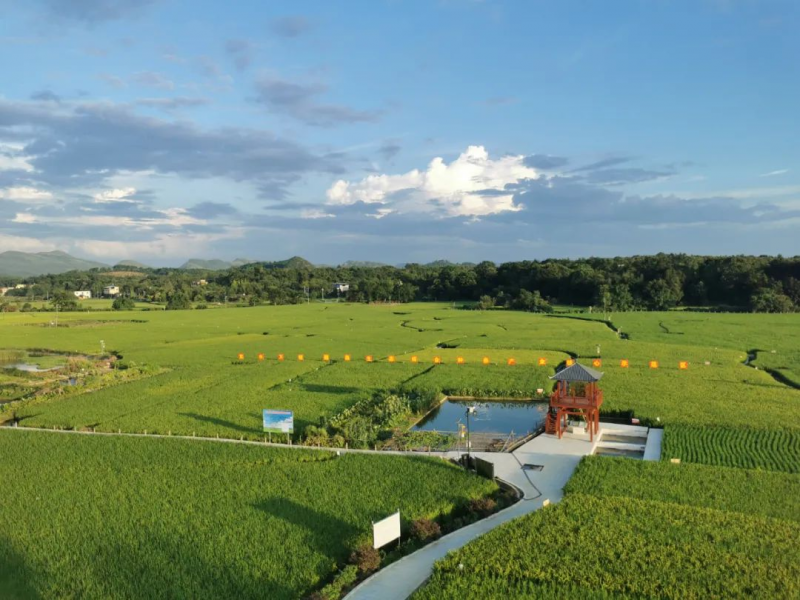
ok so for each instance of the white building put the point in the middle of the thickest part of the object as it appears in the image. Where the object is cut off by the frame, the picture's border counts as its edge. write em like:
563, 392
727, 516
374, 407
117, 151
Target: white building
83, 294
341, 287
111, 290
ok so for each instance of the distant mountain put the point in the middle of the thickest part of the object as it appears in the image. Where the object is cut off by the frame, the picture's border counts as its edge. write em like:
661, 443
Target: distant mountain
28, 264
131, 263
438, 264
362, 264
214, 264
296, 262
207, 265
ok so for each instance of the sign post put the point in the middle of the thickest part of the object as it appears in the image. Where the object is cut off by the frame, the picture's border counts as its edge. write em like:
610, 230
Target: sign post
386, 530
278, 421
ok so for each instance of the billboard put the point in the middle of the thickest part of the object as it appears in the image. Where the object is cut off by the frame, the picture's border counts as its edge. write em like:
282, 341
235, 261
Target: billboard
278, 421
386, 530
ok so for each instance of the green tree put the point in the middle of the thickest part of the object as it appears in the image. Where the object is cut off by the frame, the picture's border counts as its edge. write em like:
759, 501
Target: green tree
121, 303
178, 301
770, 301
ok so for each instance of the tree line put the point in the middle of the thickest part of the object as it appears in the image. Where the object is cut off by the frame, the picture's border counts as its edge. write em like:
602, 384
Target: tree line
658, 282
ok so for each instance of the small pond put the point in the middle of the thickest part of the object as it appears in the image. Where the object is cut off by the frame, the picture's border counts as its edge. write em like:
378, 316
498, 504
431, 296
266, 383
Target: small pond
30, 368
492, 417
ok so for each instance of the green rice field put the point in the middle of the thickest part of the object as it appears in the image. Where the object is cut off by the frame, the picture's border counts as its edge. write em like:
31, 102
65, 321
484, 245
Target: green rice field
94, 516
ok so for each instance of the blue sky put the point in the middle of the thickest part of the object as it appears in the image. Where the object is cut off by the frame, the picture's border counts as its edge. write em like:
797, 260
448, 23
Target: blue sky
399, 131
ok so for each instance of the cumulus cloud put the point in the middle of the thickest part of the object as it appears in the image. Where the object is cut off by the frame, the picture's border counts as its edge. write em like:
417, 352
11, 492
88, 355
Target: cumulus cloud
240, 51
471, 185
172, 104
92, 12
300, 101
115, 195
86, 144
25, 194
46, 96
290, 26
153, 80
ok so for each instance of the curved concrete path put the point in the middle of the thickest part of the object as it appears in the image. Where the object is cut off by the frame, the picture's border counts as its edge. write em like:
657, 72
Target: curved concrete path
559, 459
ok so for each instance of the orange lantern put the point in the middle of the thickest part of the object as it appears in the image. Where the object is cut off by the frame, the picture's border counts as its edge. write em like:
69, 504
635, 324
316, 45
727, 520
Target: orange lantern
301, 357
346, 358
460, 360
542, 362
511, 362
597, 363
570, 362
683, 365
326, 357
624, 363
392, 359
485, 360
241, 356
280, 357
260, 356
653, 364
415, 359
368, 358
437, 360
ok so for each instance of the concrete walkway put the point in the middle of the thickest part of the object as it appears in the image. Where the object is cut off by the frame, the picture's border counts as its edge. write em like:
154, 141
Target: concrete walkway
558, 459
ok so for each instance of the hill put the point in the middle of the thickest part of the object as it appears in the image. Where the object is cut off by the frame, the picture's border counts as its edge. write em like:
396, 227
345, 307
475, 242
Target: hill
131, 263
362, 264
28, 264
296, 262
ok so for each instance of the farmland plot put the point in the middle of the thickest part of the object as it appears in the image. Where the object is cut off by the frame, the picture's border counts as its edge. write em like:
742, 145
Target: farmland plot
103, 517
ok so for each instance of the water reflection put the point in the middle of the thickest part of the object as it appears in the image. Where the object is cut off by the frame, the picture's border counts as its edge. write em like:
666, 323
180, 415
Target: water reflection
493, 417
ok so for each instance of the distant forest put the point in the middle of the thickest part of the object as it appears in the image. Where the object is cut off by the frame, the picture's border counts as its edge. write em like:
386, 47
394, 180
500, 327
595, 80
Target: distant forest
660, 282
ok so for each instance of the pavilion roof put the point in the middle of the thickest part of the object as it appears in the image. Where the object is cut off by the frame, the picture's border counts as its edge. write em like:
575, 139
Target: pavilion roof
577, 372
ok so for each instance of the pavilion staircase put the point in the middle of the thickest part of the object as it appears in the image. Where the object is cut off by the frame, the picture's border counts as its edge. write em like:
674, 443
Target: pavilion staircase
550, 423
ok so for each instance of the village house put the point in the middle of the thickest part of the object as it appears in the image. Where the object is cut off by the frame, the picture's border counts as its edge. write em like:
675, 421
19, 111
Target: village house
341, 288
111, 291
83, 294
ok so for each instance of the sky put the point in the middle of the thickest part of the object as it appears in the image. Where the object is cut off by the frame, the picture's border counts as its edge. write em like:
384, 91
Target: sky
398, 130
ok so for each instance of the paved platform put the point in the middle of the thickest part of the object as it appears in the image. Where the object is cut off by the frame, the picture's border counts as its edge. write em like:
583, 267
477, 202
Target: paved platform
558, 459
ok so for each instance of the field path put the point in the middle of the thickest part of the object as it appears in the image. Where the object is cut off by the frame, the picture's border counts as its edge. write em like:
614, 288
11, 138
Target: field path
559, 458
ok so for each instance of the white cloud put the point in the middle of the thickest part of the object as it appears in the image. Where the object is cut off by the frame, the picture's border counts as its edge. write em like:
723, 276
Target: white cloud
115, 195
774, 173
24, 218
10, 158
471, 185
25, 244
165, 245
171, 217
25, 194
315, 213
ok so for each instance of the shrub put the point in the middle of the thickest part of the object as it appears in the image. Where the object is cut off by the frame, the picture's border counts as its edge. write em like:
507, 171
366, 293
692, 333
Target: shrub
425, 529
366, 558
482, 506
121, 303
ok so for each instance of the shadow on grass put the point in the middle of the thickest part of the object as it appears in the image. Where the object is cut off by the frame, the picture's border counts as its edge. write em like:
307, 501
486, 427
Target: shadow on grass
16, 576
222, 422
324, 533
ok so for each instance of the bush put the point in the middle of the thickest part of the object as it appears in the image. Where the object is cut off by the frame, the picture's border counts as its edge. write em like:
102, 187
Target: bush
482, 506
333, 591
366, 558
425, 529
123, 304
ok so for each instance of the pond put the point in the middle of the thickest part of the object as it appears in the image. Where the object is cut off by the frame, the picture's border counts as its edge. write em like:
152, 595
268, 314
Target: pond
29, 368
492, 417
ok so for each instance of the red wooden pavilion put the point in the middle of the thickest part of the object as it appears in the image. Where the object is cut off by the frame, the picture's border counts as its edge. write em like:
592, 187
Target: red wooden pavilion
576, 394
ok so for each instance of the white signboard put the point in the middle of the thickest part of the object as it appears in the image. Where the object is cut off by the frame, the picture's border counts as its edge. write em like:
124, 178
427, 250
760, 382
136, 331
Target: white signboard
386, 530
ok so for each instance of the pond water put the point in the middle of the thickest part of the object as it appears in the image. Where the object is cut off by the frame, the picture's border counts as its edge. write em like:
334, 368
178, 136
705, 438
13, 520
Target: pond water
30, 368
492, 417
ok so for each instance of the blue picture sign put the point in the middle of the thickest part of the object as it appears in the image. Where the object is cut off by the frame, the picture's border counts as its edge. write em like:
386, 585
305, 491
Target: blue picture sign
278, 421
